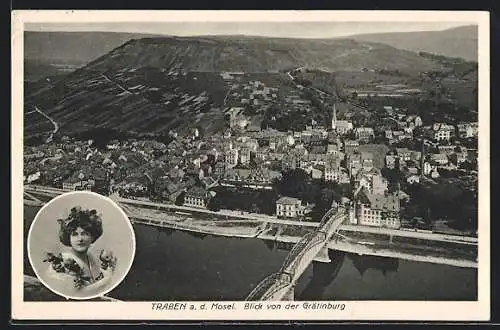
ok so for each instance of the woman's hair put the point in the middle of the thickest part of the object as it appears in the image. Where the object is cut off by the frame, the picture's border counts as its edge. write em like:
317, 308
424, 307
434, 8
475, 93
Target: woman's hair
88, 220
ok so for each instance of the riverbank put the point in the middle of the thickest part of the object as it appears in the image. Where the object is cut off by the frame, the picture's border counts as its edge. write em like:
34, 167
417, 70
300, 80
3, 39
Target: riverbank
363, 243
370, 241
366, 248
216, 268
426, 247
34, 290
184, 222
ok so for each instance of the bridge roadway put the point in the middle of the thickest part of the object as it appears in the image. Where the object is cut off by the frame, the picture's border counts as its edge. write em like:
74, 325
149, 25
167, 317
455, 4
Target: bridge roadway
280, 285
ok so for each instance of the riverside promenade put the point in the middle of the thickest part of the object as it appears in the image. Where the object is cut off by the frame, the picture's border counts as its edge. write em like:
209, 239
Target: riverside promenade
452, 250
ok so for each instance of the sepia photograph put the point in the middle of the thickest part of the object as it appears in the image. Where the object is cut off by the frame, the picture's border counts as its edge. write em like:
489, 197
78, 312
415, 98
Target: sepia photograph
80, 251
326, 160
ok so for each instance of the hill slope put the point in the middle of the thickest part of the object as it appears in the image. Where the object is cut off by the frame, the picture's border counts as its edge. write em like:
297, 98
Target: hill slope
456, 42
256, 54
156, 84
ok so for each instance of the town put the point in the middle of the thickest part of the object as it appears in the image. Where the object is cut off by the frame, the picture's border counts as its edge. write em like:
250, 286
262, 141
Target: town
394, 170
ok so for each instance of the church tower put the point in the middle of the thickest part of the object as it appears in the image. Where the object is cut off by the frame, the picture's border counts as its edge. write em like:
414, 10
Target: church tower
334, 118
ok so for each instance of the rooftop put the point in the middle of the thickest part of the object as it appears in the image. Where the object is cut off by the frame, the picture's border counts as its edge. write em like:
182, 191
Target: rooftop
288, 200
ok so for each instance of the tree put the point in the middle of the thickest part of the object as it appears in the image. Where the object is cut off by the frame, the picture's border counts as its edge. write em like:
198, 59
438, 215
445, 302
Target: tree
214, 204
180, 199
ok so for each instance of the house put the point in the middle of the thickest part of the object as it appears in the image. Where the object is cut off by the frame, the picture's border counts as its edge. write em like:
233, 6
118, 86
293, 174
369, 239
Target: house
458, 158
37, 155
379, 184
442, 132
427, 168
289, 162
467, 130
365, 134
317, 158
208, 182
176, 174
244, 156
231, 158
72, 183
415, 155
439, 159
353, 163
332, 169
413, 121
413, 179
332, 173
404, 154
33, 177
446, 149
343, 126
366, 160
332, 149
390, 161
351, 146
289, 207
196, 197
412, 170
378, 210
372, 181
344, 176
220, 169
255, 178
317, 172
262, 153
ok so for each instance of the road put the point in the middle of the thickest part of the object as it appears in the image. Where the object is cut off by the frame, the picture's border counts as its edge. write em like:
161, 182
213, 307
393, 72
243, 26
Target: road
464, 240
412, 234
56, 125
117, 84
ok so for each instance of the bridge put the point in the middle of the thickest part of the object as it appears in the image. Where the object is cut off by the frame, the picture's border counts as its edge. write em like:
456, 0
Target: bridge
440, 248
313, 246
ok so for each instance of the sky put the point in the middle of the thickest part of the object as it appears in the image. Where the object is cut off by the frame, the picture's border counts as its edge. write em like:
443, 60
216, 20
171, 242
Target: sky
269, 29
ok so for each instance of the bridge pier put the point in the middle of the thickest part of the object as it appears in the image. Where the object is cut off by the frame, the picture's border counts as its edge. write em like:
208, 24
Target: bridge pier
323, 256
290, 295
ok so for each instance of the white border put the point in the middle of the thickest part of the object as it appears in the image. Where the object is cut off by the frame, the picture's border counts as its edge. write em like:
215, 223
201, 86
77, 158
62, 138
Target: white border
96, 196
355, 310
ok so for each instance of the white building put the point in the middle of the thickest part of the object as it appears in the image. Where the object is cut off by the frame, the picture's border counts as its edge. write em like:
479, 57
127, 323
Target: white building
245, 156
378, 210
289, 207
195, 197
442, 132
231, 158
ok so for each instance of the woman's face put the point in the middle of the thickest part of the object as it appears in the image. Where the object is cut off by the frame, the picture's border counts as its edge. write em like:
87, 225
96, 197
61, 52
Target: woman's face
80, 240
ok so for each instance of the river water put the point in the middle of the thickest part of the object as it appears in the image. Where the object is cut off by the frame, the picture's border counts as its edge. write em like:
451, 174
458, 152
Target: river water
175, 265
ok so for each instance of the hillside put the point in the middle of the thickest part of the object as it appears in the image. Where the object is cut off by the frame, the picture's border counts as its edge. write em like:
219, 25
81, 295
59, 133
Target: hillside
456, 42
256, 54
152, 85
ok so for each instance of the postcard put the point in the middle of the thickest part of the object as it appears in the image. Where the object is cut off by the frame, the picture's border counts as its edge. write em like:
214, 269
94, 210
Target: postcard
250, 165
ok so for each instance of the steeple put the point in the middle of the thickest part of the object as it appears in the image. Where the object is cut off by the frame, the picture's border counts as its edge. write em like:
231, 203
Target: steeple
334, 117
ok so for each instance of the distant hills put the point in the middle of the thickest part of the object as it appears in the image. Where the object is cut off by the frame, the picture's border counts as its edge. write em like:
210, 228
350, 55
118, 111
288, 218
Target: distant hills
72, 47
455, 42
153, 84
57, 53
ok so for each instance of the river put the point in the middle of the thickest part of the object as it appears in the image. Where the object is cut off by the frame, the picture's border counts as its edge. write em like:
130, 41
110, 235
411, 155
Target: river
175, 265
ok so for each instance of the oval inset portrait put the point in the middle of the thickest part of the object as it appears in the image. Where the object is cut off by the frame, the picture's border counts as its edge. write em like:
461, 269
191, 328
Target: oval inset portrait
81, 245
